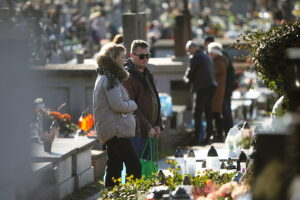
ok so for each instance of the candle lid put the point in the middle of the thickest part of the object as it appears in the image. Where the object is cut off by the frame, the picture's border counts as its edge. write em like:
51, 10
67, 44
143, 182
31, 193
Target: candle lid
212, 152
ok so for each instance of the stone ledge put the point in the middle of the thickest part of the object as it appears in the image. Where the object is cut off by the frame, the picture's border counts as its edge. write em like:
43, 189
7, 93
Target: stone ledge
99, 159
98, 153
84, 178
45, 193
65, 188
40, 185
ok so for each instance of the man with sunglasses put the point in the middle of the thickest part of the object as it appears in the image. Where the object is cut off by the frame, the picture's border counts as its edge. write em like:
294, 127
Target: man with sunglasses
142, 90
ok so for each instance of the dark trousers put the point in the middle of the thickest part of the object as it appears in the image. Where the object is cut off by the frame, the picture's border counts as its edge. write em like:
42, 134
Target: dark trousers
138, 144
227, 115
120, 150
218, 122
202, 105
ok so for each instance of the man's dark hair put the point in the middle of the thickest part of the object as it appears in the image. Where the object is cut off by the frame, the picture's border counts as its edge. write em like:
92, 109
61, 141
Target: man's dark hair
278, 15
138, 43
209, 39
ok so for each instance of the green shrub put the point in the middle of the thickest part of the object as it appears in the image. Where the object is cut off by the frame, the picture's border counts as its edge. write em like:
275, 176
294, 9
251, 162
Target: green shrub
267, 52
135, 187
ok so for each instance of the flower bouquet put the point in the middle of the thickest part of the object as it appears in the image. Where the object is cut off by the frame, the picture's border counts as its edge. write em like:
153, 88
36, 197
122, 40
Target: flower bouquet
65, 124
48, 124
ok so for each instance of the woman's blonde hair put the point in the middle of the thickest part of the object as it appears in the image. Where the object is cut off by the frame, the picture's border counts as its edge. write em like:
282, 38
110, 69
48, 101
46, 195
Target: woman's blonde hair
118, 39
112, 50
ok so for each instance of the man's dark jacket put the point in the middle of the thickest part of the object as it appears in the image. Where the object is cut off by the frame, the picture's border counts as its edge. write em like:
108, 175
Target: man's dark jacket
200, 74
139, 91
230, 76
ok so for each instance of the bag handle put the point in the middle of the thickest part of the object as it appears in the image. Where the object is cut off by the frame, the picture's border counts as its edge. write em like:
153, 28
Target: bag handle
156, 149
145, 147
151, 142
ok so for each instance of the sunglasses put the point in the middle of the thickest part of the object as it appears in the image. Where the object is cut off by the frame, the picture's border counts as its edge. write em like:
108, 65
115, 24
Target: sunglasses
143, 56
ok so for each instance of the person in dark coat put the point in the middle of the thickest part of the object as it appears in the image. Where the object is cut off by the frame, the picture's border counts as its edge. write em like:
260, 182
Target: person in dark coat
201, 77
230, 85
142, 90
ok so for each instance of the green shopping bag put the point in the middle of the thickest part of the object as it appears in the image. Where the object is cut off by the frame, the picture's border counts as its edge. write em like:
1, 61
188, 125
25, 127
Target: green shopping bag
149, 164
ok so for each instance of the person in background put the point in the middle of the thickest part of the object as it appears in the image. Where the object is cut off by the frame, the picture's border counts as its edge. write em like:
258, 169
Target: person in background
98, 27
142, 90
230, 86
208, 39
110, 99
278, 18
220, 64
201, 77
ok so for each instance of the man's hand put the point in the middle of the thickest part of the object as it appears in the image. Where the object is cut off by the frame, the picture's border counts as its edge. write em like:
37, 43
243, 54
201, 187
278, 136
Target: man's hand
151, 132
157, 131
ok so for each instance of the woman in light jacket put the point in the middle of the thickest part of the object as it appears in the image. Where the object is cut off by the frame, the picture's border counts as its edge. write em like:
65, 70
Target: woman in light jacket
111, 104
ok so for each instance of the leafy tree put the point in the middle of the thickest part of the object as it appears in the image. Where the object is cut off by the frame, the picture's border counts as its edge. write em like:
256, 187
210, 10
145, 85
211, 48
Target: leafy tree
267, 52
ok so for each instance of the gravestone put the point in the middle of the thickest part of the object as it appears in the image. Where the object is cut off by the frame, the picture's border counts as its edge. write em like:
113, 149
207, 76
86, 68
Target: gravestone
134, 26
15, 105
72, 160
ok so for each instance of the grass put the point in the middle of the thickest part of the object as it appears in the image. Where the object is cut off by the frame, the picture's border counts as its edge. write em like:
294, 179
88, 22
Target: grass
166, 153
86, 191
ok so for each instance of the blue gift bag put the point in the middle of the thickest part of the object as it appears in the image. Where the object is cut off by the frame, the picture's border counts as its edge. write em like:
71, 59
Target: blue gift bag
166, 104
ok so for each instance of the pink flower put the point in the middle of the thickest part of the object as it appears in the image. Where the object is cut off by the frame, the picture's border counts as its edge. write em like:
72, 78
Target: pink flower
210, 187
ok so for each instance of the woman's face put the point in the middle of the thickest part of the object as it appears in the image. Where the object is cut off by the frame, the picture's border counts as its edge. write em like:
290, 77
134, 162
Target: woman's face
213, 55
121, 58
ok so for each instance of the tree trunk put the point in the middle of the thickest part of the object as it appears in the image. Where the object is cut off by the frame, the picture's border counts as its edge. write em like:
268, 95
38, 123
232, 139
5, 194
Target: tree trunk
253, 5
123, 5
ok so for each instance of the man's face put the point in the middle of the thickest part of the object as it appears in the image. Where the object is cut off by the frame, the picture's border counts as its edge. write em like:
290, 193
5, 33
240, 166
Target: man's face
191, 50
205, 45
140, 57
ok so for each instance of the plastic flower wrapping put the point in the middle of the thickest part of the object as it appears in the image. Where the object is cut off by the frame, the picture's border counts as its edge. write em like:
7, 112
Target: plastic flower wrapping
238, 139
